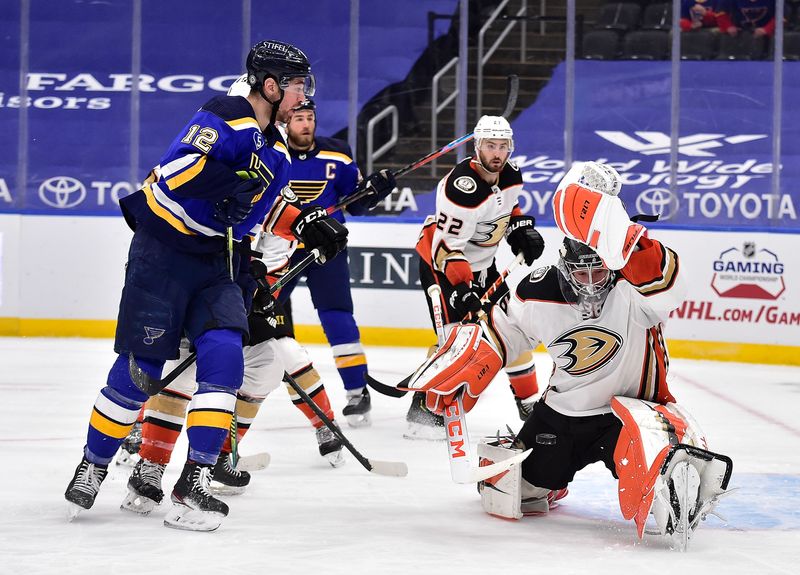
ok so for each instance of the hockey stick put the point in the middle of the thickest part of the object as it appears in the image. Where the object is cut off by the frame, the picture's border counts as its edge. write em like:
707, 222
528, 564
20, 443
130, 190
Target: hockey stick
402, 388
512, 93
459, 449
151, 385
389, 468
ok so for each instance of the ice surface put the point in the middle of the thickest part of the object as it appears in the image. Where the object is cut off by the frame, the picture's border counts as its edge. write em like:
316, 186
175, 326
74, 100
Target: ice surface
300, 515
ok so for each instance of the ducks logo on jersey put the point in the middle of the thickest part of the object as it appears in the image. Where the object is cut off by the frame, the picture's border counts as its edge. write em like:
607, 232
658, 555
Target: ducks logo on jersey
588, 349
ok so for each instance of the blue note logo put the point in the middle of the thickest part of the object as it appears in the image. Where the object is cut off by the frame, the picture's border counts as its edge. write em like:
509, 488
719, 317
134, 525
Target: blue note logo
152, 334
62, 192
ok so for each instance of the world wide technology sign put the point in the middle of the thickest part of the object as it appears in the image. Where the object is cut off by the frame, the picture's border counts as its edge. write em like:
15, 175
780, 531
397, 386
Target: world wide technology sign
725, 144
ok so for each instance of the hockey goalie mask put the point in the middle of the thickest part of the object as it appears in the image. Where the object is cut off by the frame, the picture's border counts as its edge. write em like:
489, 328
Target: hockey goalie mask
494, 142
584, 279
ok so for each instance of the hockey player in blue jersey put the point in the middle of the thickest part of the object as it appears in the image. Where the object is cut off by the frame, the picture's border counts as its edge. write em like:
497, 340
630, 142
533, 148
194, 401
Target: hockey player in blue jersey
323, 172
225, 173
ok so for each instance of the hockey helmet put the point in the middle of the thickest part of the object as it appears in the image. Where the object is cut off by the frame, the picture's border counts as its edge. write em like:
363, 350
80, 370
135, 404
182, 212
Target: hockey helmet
280, 61
306, 105
494, 127
584, 279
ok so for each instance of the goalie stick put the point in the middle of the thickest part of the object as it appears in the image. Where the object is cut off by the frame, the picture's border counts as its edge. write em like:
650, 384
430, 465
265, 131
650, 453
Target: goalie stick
388, 468
512, 92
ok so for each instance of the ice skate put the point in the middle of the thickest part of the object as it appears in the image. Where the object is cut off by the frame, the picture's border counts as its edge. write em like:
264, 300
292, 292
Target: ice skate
128, 454
524, 407
226, 479
144, 487
357, 410
330, 447
422, 423
82, 489
194, 508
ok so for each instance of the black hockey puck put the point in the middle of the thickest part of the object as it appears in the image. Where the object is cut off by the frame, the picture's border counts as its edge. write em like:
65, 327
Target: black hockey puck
545, 439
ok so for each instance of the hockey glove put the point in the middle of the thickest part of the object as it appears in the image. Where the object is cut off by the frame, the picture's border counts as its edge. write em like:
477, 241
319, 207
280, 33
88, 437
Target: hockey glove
264, 303
464, 299
316, 229
235, 208
524, 239
378, 185
467, 361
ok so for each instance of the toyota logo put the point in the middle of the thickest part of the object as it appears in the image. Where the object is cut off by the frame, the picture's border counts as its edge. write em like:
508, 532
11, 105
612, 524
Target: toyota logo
62, 192
657, 202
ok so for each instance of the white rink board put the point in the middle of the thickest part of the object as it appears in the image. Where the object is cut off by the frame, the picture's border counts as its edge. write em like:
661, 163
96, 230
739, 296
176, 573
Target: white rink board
72, 268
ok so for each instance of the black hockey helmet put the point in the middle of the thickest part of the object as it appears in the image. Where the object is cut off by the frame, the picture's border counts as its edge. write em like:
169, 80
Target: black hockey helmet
584, 279
280, 61
307, 104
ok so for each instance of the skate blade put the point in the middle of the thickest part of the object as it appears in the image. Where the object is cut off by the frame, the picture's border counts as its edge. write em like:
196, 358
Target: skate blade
335, 458
417, 431
73, 510
138, 504
188, 519
222, 489
360, 420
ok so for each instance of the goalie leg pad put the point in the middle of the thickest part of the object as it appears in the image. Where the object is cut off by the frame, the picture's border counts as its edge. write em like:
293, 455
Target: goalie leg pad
501, 494
467, 361
655, 440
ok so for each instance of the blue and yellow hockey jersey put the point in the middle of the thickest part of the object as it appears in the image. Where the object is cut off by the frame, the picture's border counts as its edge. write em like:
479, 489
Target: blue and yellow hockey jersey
325, 175
176, 203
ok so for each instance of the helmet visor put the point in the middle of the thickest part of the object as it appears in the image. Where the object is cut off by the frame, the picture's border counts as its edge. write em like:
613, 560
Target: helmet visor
303, 84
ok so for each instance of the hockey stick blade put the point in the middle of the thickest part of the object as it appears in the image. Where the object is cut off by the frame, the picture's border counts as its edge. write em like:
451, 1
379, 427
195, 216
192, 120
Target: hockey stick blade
255, 462
485, 472
512, 92
386, 389
388, 468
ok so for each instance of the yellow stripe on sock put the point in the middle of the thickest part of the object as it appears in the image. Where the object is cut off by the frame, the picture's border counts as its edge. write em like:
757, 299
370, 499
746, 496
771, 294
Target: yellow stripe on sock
220, 419
107, 427
351, 361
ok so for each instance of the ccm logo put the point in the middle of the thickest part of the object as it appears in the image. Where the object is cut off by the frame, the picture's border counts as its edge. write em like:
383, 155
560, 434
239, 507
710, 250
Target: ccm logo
455, 433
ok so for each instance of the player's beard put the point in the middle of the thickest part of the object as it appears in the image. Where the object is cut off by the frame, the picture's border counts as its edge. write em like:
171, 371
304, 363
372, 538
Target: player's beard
493, 166
301, 141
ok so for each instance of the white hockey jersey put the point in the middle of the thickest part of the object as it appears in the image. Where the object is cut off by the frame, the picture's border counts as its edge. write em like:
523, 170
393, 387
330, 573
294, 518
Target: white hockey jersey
471, 218
622, 352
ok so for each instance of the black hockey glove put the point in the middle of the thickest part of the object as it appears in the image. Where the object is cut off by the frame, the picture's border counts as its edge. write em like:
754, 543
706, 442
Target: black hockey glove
464, 299
523, 238
235, 208
378, 185
316, 229
263, 303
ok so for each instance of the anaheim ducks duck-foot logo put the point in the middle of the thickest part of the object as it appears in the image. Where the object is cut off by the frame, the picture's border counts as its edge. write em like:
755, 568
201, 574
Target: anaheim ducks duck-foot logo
588, 348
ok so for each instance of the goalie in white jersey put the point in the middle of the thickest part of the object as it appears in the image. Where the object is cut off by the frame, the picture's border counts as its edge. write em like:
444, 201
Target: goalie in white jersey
599, 314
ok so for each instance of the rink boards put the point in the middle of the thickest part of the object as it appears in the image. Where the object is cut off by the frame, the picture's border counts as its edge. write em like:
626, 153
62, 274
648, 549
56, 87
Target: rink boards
62, 276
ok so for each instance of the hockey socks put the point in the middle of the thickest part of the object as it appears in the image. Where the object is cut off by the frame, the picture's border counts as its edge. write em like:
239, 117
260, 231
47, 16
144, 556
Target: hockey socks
351, 364
163, 421
309, 380
246, 410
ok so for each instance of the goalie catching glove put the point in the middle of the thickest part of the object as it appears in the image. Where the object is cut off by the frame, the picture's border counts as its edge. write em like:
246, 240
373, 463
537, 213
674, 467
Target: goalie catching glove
587, 209
466, 363
316, 229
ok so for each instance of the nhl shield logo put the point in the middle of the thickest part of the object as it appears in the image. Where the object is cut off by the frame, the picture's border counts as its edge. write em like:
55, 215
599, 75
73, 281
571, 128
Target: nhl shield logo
749, 249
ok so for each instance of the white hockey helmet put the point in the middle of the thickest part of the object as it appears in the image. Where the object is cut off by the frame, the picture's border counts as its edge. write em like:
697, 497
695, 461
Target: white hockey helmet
495, 128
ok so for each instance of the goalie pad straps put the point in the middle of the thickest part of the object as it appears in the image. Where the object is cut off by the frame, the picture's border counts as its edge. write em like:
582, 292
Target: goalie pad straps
500, 494
598, 220
466, 360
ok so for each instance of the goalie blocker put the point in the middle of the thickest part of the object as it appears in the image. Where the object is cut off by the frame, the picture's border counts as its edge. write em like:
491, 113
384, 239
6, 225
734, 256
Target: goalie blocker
662, 462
